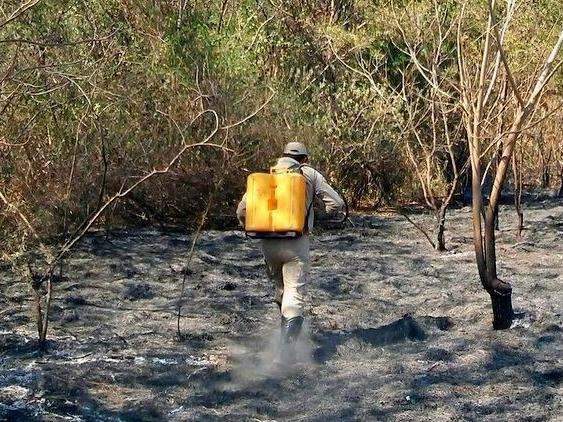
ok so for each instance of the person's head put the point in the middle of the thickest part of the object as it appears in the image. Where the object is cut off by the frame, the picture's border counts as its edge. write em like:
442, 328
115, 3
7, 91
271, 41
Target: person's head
297, 151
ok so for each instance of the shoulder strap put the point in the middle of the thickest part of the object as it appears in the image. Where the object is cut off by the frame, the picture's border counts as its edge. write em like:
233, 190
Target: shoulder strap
293, 169
310, 207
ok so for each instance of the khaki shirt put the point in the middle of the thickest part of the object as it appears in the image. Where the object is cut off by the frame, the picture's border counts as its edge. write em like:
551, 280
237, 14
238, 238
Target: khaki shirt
317, 187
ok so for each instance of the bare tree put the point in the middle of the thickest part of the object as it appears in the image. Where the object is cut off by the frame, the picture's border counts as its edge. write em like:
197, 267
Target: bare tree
430, 143
42, 280
476, 85
433, 120
477, 88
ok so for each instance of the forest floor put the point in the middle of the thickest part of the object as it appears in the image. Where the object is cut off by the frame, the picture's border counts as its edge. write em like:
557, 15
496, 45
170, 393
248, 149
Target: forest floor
396, 330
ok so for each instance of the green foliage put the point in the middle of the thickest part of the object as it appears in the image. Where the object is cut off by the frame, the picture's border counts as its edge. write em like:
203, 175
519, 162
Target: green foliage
95, 94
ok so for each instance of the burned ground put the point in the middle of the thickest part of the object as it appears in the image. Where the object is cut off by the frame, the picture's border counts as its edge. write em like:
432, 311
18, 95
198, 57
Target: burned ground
397, 331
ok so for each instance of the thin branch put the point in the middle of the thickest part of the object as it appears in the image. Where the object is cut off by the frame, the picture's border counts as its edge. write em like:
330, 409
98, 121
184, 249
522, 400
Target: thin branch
498, 39
57, 44
258, 32
20, 214
417, 226
20, 11
547, 72
124, 192
251, 115
190, 256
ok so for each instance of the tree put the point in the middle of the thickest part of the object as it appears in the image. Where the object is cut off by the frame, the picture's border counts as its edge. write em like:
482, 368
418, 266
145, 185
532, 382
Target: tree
433, 120
482, 66
477, 82
430, 139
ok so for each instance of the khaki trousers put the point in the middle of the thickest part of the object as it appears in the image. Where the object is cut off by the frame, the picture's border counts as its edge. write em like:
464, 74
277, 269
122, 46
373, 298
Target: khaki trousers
287, 265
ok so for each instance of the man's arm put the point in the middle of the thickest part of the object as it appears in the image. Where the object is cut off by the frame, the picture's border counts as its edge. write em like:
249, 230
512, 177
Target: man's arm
332, 200
241, 210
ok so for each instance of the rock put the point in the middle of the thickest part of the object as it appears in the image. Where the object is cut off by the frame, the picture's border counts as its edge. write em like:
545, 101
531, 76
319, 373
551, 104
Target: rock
177, 268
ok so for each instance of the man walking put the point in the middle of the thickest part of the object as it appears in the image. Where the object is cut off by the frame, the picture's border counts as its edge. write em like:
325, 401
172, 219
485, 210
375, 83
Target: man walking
287, 260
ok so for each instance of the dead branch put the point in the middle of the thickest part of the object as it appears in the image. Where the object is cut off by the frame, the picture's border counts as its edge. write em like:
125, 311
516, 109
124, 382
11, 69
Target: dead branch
416, 225
19, 11
254, 113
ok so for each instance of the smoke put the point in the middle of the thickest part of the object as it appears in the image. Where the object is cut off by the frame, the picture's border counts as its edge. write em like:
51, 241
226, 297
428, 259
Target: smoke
259, 359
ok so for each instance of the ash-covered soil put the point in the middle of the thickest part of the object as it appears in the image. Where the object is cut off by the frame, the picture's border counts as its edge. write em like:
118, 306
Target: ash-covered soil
396, 330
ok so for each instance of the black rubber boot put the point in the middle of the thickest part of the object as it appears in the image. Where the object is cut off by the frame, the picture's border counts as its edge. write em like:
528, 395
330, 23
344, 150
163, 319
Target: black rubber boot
290, 330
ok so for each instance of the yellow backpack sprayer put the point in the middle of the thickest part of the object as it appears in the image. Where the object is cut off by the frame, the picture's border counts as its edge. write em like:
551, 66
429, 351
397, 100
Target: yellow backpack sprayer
276, 204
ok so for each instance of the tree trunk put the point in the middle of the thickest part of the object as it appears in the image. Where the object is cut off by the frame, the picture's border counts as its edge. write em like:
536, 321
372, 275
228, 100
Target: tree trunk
38, 310
499, 291
502, 310
517, 174
439, 243
560, 193
499, 154
519, 218
45, 322
484, 242
485, 246
545, 159
545, 178
477, 216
